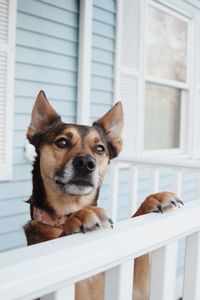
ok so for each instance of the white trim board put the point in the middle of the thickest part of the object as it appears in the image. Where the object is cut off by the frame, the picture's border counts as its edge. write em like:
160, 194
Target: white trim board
84, 62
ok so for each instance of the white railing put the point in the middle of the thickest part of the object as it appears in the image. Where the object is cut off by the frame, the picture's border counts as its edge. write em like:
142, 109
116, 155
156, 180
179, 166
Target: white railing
178, 166
51, 269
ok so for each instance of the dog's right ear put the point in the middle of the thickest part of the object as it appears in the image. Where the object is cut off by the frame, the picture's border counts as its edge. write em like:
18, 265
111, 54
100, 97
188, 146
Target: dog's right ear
43, 116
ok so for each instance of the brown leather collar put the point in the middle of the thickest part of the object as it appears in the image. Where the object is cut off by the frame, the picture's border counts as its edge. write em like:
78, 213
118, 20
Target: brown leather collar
44, 217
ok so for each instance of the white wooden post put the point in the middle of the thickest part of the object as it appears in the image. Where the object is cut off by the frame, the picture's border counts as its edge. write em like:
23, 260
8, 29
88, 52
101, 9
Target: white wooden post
133, 187
163, 273
155, 180
178, 182
114, 173
119, 282
84, 62
198, 185
61, 294
192, 268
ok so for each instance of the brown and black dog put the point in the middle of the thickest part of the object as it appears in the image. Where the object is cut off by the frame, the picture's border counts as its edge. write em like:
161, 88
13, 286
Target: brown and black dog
67, 174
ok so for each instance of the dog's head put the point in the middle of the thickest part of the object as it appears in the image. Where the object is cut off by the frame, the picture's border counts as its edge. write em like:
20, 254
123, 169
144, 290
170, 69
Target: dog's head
73, 158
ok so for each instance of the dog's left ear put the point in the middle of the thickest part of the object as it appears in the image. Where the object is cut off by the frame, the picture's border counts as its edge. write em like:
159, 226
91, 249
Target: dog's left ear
112, 124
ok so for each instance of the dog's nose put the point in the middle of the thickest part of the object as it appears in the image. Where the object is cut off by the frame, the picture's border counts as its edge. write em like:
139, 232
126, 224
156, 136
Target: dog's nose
84, 164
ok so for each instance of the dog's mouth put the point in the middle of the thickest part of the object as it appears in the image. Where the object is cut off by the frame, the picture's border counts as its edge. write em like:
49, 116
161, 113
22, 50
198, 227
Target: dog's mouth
75, 186
79, 182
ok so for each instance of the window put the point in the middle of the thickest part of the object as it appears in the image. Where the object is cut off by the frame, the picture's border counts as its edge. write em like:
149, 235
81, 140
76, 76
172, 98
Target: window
7, 43
166, 79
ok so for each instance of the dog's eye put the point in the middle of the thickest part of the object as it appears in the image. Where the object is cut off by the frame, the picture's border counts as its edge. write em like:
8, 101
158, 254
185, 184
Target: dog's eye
62, 143
100, 149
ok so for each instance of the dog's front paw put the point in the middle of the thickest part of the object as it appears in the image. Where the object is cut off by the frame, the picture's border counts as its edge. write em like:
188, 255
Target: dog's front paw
160, 202
87, 219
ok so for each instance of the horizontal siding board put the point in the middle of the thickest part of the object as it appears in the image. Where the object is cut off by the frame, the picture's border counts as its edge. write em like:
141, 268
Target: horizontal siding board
102, 70
108, 18
102, 56
16, 190
104, 5
13, 207
45, 11
13, 223
45, 75
107, 83
46, 27
34, 40
103, 29
102, 97
102, 42
70, 5
40, 58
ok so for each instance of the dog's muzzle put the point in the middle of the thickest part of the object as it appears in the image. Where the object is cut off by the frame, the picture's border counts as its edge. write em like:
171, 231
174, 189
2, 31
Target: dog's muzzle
79, 176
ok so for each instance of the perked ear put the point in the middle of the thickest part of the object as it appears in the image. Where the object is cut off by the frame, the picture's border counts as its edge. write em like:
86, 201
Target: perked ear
112, 124
43, 116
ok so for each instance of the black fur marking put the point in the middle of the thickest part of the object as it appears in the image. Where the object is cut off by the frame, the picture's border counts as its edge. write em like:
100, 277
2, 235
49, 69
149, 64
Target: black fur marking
95, 200
112, 150
38, 198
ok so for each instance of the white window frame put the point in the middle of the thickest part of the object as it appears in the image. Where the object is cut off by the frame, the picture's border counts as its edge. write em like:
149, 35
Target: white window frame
6, 167
186, 104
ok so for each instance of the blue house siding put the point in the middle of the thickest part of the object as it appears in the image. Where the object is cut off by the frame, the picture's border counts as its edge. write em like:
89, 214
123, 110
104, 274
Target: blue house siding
103, 48
46, 58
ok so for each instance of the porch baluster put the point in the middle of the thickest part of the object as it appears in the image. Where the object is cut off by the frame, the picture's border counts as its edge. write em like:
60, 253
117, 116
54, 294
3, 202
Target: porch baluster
133, 187
192, 267
155, 180
163, 273
61, 294
114, 173
119, 282
178, 181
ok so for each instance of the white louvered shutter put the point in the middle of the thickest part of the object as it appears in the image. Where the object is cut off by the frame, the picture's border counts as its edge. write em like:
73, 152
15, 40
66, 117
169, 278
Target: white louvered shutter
7, 44
128, 65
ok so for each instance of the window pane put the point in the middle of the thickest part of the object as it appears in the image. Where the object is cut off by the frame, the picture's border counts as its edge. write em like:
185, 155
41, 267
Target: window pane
166, 45
162, 117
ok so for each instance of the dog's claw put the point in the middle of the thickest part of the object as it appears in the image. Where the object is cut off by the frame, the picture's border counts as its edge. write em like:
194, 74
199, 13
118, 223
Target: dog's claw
82, 229
160, 208
179, 201
173, 202
111, 222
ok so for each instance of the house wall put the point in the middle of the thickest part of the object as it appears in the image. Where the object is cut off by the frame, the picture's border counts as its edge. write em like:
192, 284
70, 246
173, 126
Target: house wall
46, 58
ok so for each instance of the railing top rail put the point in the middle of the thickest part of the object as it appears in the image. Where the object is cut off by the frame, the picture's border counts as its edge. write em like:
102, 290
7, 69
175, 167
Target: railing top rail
30, 272
161, 162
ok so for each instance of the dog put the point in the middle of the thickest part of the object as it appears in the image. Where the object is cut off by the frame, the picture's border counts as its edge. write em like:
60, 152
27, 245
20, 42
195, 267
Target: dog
67, 175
